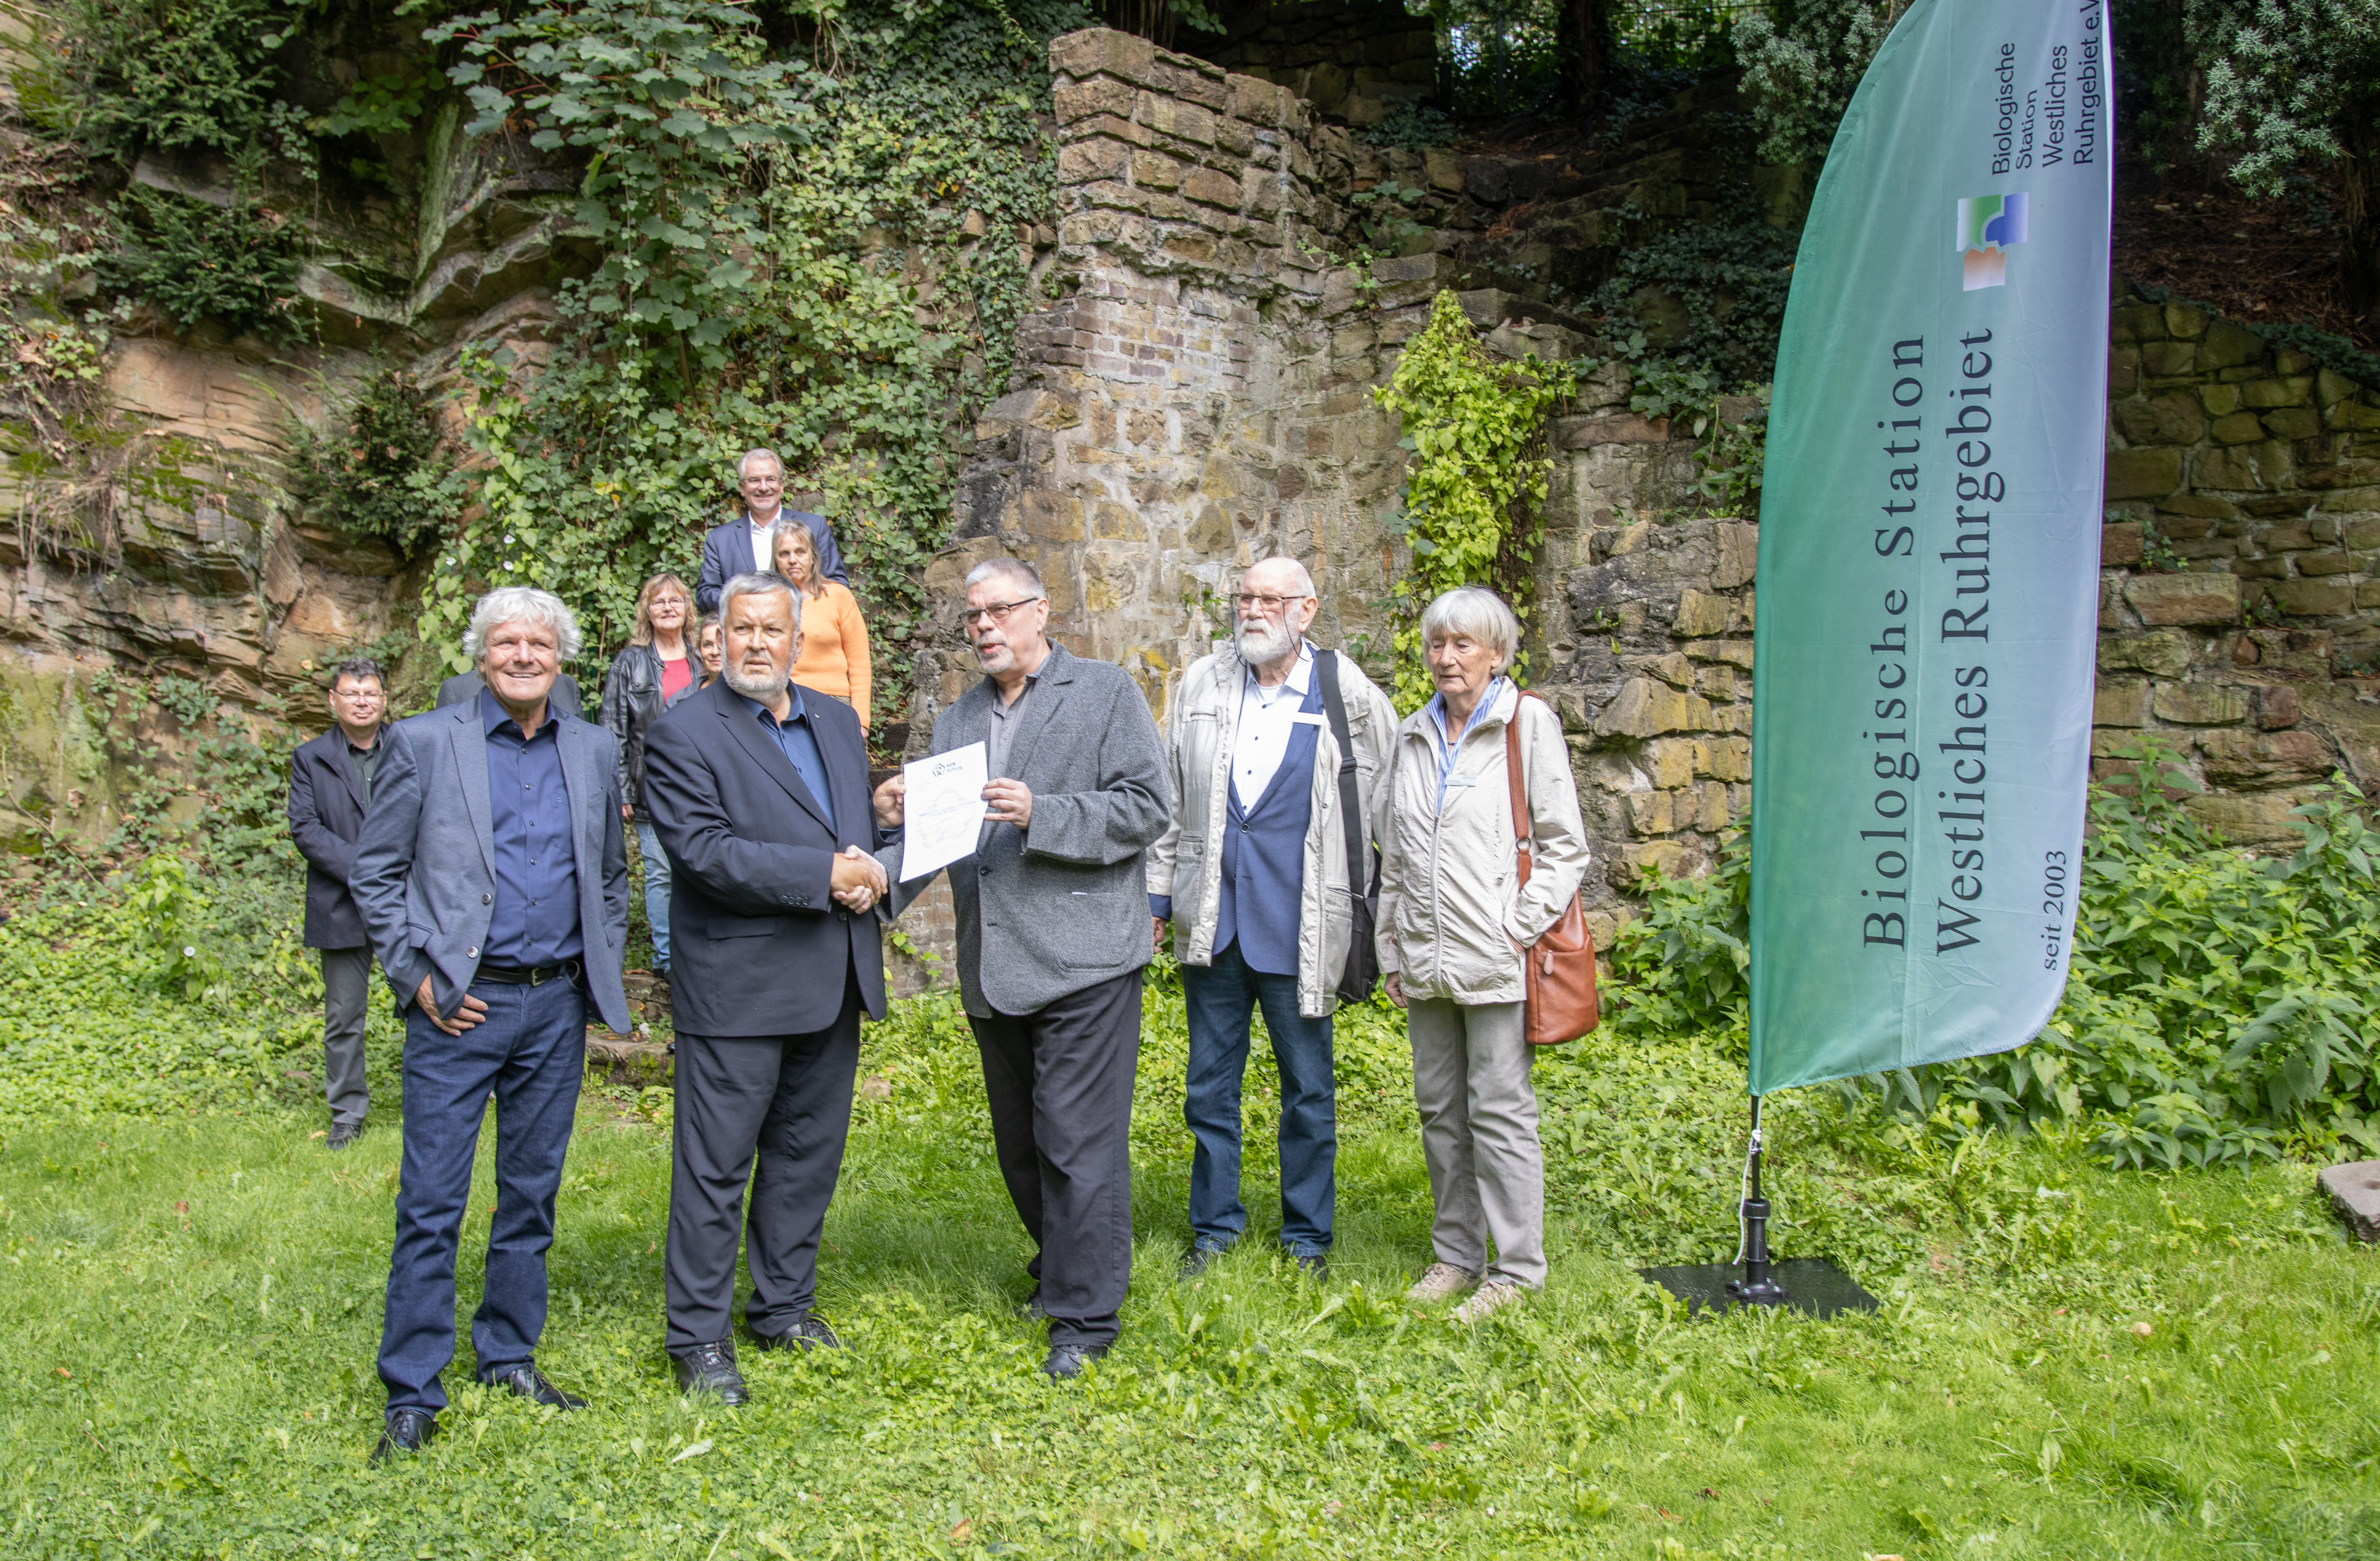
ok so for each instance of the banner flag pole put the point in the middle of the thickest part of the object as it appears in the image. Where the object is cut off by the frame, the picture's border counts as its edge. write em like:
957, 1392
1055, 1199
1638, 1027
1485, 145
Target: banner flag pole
1928, 582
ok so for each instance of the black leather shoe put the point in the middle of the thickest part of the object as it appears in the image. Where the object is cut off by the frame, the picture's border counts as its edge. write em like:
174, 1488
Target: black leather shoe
810, 1333
1314, 1265
344, 1137
1197, 1262
403, 1432
528, 1382
1066, 1362
1032, 1307
710, 1368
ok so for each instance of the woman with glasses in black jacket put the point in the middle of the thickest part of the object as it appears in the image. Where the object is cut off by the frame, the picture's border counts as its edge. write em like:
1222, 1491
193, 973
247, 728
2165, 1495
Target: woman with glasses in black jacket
654, 670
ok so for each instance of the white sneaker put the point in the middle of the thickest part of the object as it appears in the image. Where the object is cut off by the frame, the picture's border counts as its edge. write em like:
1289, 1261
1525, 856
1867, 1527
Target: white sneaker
1440, 1281
1493, 1296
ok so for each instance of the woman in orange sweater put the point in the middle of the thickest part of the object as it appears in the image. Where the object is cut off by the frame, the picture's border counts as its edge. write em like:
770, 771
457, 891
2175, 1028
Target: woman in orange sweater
834, 636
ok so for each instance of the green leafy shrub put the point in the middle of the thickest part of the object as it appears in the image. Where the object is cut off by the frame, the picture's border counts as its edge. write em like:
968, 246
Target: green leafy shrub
176, 73
236, 263
380, 469
2219, 1008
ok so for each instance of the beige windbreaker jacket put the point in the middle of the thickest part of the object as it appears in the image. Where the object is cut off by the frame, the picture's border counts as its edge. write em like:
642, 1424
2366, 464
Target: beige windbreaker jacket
1187, 863
1450, 915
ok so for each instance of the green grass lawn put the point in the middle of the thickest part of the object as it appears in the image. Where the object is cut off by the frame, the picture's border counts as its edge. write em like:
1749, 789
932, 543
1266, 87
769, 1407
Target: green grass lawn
2069, 1362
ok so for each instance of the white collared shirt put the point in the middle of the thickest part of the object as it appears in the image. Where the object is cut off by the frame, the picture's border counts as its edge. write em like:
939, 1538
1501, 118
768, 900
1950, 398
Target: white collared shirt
762, 561
1268, 720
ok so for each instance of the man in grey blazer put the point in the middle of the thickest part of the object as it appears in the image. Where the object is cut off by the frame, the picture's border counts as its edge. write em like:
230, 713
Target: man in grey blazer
1053, 935
493, 881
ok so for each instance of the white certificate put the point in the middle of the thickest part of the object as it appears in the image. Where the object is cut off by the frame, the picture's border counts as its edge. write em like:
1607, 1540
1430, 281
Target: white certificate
943, 808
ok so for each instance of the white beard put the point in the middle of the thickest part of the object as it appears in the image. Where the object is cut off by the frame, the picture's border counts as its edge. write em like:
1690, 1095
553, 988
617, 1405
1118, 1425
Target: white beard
1266, 641
762, 689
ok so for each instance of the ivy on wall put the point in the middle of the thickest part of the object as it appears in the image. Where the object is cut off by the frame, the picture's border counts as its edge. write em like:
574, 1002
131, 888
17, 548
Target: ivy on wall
828, 264
1476, 480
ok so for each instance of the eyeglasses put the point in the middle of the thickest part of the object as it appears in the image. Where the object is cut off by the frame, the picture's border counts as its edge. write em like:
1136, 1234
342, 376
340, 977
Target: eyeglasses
1271, 604
998, 614
371, 695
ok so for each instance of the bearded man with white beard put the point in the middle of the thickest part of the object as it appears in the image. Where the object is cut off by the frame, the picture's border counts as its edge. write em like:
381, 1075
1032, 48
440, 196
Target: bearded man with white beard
760, 796
1278, 756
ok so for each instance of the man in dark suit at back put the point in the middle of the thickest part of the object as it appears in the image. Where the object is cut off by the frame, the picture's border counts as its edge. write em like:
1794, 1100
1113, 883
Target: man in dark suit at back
330, 789
760, 796
742, 546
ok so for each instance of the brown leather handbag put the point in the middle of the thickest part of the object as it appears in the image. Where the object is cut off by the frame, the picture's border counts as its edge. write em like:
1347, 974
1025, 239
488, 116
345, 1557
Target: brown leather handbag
1560, 965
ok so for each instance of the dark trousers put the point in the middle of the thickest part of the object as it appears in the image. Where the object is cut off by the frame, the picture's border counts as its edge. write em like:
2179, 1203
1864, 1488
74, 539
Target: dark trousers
530, 1052
1061, 1087
346, 990
785, 1100
1219, 997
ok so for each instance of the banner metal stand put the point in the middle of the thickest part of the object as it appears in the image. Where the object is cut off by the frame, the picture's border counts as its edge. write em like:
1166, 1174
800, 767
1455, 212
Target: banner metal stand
1817, 1286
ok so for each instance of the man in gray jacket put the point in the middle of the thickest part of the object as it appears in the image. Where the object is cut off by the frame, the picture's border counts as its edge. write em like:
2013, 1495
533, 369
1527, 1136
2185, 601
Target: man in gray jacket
493, 881
1052, 940
1256, 880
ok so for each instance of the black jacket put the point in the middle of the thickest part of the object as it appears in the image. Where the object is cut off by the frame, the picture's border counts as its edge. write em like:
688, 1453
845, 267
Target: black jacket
758, 945
466, 686
632, 702
325, 816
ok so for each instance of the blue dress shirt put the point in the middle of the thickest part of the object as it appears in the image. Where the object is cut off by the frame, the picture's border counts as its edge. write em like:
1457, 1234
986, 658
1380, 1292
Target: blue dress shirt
535, 918
799, 744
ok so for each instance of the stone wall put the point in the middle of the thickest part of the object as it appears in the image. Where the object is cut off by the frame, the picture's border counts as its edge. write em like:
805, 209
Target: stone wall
2240, 613
1201, 396
1352, 61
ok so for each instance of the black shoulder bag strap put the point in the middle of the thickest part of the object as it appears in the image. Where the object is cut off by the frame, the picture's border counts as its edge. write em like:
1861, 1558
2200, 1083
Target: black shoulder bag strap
1363, 968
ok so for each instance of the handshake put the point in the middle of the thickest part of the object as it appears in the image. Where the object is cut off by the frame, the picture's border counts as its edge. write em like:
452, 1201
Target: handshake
859, 880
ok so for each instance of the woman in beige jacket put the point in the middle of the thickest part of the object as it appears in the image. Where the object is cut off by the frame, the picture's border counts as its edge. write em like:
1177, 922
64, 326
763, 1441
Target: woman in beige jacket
1453, 922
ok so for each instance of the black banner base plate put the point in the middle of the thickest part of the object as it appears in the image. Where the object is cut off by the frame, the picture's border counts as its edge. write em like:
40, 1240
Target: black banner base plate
1812, 1285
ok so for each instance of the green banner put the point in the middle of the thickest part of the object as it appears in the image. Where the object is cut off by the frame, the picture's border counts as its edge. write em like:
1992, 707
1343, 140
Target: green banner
1929, 552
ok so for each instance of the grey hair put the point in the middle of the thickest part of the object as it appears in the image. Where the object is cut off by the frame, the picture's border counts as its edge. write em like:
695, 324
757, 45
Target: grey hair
511, 604
745, 462
1474, 613
1015, 570
1298, 578
759, 582
358, 668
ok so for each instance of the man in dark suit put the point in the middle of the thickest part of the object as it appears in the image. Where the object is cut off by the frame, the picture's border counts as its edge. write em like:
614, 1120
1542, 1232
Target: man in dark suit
741, 546
493, 880
330, 789
1053, 937
463, 687
760, 796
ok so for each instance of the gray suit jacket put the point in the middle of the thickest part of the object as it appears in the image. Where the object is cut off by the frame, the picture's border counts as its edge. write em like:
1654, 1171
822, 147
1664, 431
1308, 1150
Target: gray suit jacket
1063, 904
425, 864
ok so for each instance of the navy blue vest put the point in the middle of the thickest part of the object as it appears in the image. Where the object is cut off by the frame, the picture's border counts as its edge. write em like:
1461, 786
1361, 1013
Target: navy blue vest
1257, 896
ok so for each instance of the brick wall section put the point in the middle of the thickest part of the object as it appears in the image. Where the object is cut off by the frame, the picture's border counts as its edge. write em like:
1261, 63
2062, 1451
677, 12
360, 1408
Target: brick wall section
1351, 61
2239, 608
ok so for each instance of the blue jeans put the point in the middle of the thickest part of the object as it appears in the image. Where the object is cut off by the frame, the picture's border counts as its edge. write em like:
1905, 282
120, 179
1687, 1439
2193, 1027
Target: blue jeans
1220, 998
530, 1052
648, 846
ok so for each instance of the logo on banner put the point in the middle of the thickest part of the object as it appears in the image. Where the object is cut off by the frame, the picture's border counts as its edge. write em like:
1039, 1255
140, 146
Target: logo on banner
1988, 226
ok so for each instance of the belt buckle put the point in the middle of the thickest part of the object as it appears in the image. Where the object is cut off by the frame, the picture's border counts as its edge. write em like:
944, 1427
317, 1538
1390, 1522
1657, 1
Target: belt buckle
541, 975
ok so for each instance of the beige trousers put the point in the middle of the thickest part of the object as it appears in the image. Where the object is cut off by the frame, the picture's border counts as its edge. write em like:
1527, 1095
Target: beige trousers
1479, 1137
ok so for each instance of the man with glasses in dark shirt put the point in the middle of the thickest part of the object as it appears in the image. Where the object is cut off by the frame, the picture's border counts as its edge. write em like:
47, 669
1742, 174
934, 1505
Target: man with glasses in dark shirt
330, 790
